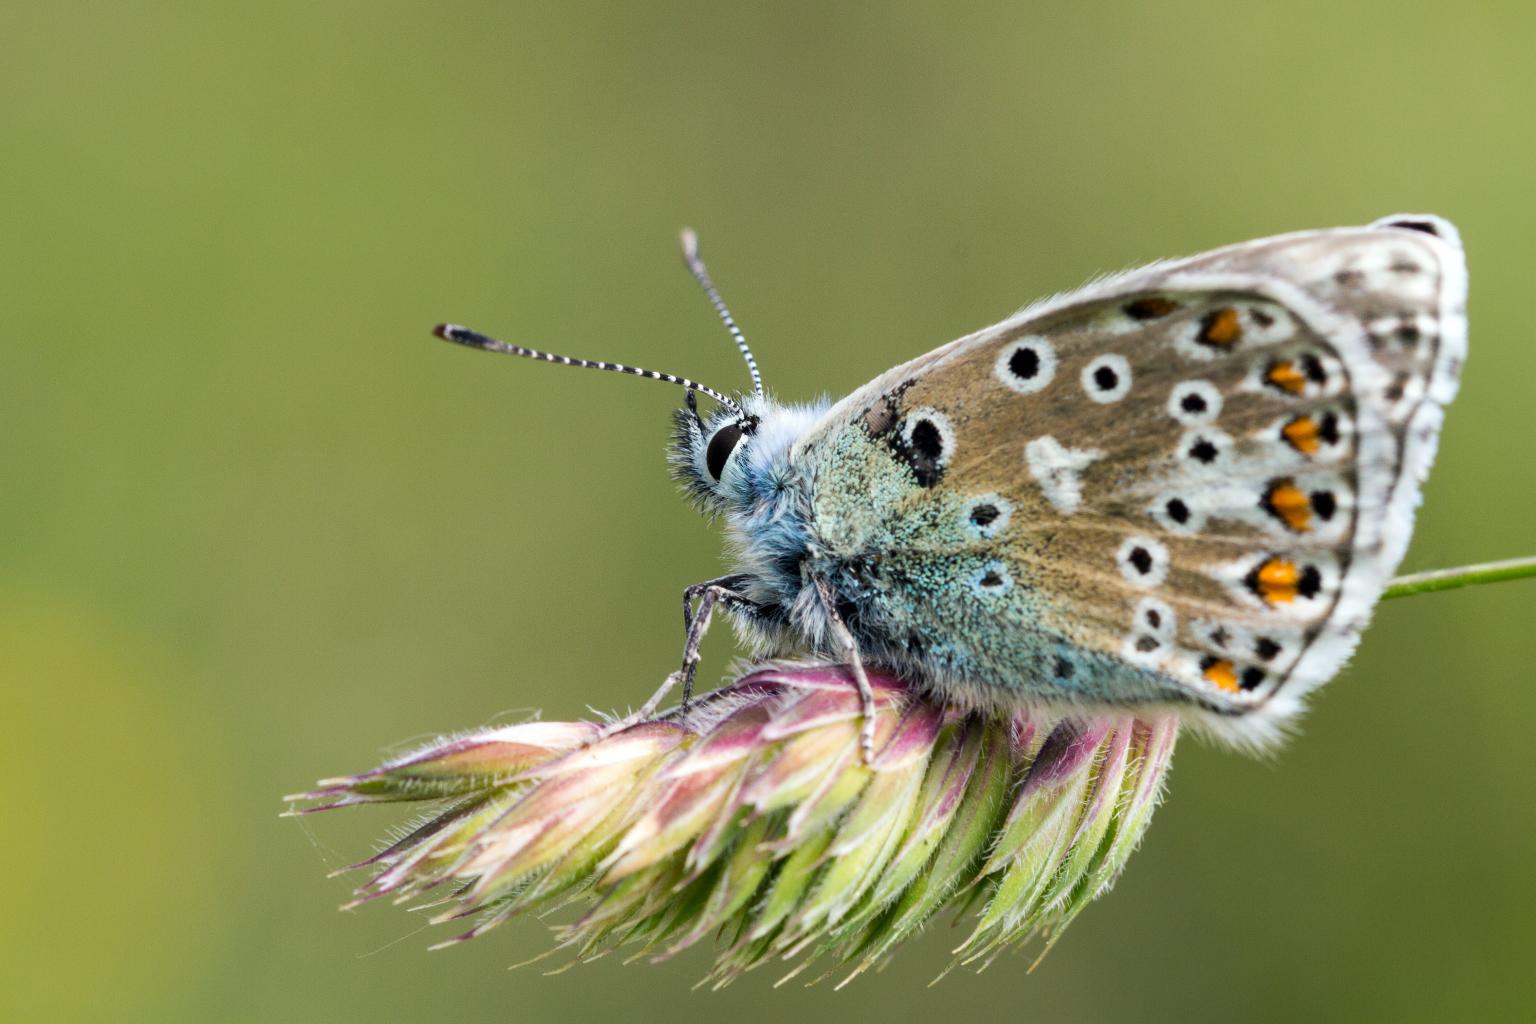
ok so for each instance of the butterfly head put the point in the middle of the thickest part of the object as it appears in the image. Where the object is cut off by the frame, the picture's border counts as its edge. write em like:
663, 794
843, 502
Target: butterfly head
709, 454
733, 460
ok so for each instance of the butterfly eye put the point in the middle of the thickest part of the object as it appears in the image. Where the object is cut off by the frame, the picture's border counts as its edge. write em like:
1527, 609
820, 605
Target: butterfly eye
720, 447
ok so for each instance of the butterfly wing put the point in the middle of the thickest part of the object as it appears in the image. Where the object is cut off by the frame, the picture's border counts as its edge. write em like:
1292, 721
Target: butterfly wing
1183, 485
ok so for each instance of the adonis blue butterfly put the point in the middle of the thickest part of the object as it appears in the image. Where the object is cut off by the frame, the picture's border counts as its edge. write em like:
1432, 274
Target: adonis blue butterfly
1184, 486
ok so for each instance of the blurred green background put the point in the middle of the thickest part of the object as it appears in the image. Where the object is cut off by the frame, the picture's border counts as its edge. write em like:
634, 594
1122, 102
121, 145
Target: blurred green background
258, 526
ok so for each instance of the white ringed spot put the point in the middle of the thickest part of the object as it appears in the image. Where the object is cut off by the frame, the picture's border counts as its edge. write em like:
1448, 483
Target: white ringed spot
988, 515
1178, 513
1142, 561
992, 579
1145, 649
1208, 448
929, 435
1155, 617
1107, 378
1026, 364
1267, 324
1194, 403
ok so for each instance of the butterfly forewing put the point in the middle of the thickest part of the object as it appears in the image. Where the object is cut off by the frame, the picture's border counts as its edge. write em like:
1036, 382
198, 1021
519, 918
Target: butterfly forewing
1187, 484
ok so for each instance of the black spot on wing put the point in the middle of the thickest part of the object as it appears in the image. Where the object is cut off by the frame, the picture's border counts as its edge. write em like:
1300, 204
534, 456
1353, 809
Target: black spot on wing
923, 448
984, 514
1141, 558
1024, 363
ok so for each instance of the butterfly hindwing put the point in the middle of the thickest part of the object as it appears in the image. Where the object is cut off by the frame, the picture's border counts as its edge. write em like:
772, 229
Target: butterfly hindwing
1187, 484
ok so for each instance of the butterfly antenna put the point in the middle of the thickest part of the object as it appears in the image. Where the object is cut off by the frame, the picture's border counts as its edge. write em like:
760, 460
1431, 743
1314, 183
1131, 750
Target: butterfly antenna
474, 339
696, 268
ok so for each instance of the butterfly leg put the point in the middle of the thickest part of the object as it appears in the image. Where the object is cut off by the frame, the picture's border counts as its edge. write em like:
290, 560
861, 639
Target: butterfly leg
850, 647
729, 584
695, 624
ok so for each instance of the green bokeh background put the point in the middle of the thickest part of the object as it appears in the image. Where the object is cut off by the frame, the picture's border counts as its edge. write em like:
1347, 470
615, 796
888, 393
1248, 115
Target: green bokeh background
257, 525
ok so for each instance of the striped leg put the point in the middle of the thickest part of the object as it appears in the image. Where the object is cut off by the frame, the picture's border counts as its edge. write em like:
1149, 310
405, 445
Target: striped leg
850, 648
695, 624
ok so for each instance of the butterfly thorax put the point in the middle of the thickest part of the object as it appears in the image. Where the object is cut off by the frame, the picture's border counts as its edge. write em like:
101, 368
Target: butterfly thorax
763, 498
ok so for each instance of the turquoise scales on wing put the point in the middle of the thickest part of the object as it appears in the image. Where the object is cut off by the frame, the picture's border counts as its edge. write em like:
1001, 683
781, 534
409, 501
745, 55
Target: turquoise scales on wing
1183, 486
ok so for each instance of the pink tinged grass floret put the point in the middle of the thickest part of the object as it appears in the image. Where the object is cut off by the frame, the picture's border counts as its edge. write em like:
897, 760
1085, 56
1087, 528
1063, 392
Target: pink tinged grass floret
753, 818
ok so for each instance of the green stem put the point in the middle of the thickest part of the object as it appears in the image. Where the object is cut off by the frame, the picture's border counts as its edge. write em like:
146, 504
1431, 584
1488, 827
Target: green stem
1464, 576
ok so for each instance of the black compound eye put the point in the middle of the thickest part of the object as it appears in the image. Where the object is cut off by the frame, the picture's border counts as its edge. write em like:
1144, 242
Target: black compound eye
720, 447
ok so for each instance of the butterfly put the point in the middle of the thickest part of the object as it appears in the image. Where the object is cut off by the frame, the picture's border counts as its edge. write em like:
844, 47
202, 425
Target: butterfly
1182, 487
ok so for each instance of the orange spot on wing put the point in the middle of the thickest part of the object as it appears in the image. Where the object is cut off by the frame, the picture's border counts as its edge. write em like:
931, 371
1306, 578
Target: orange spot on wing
1276, 580
1221, 673
1289, 504
1287, 376
1302, 433
1221, 328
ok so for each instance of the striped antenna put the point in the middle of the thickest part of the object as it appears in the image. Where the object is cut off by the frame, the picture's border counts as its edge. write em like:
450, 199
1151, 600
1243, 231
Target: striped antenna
696, 267
474, 339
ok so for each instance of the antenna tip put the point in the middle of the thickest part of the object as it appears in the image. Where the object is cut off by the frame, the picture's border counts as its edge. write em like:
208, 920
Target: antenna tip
690, 241
466, 337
